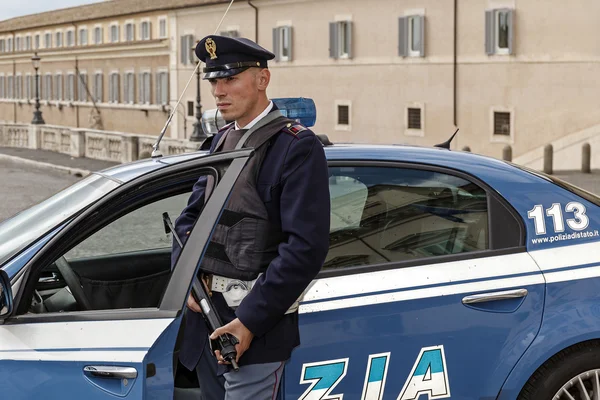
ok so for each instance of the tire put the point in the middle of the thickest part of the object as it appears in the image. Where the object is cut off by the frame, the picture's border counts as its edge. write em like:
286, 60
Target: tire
581, 360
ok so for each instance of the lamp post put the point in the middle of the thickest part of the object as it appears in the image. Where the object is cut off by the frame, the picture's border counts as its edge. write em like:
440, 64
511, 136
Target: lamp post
198, 135
37, 114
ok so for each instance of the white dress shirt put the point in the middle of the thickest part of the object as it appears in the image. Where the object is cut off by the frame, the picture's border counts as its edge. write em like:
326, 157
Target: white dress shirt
255, 120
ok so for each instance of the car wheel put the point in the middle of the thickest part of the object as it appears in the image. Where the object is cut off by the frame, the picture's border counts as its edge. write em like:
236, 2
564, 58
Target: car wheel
572, 374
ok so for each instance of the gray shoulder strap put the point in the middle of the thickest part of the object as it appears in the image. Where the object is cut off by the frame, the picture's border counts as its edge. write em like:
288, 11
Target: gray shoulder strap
272, 116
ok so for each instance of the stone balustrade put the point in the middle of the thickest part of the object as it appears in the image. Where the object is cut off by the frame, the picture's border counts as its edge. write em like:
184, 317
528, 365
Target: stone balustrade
80, 142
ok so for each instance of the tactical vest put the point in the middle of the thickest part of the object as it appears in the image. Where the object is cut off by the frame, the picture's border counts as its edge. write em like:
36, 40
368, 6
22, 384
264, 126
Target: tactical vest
244, 241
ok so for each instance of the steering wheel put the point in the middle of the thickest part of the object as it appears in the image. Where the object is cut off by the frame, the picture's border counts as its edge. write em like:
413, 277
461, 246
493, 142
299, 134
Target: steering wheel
73, 283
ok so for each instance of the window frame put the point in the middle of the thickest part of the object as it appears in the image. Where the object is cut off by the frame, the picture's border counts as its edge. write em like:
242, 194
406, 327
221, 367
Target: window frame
147, 22
73, 43
129, 23
99, 28
166, 34
507, 139
80, 37
343, 127
117, 37
410, 131
498, 210
497, 49
48, 39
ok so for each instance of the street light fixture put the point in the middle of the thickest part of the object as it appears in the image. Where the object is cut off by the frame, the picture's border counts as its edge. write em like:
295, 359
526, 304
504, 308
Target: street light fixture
198, 134
37, 114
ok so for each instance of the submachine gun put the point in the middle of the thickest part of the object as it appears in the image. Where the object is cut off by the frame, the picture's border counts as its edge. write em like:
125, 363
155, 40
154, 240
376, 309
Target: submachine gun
224, 343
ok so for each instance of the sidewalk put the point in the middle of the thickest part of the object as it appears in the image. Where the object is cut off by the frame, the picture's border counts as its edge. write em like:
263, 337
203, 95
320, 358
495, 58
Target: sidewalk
57, 161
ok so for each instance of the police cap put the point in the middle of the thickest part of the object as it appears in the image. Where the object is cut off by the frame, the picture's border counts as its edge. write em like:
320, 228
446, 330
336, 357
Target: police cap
226, 56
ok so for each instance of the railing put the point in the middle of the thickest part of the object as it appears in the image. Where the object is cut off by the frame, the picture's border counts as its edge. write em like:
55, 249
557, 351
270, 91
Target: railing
100, 145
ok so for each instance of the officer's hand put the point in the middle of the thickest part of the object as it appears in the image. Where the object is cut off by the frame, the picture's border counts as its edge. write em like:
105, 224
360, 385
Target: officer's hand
242, 334
193, 304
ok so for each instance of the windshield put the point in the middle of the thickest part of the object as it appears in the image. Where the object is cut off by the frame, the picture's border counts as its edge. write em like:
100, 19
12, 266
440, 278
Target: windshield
22, 229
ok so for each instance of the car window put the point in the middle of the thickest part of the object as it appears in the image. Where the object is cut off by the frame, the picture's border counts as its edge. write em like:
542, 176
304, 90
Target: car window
142, 229
126, 264
382, 214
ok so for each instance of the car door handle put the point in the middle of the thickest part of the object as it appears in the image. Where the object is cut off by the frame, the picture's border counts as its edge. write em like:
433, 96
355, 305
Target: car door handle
495, 296
107, 371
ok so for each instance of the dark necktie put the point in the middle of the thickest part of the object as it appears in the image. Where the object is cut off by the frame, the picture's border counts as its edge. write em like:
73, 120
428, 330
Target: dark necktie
232, 138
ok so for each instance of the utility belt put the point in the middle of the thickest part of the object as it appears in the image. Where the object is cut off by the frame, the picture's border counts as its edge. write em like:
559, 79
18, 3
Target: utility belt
235, 290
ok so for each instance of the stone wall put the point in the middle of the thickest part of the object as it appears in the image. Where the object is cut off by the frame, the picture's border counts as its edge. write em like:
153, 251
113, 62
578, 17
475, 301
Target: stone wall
100, 145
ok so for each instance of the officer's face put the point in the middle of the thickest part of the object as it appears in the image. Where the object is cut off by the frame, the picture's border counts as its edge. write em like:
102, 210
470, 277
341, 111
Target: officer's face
241, 97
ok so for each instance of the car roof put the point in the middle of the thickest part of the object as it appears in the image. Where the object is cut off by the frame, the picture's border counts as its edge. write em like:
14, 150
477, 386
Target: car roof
487, 169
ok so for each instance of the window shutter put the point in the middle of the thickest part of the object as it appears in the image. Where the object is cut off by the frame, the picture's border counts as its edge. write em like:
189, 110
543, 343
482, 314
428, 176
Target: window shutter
403, 36
422, 48
290, 32
349, 29
276, 43
158, 88
165, 88
149, 30
333, 40
511, 31
148, 90
184, 53
140, 91
489, 32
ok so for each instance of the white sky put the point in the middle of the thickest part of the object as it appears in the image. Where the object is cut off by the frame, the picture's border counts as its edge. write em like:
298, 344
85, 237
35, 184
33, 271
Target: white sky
12, 8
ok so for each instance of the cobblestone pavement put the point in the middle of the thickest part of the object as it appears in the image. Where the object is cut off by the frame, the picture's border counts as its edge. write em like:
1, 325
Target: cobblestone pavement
23, 186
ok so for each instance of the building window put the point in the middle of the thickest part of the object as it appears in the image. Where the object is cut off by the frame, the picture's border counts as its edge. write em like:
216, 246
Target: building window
2, 87
282, 43
412, 36
19, 87
146, 28
2, 46
162, 88
10, 87
502, 123
499, 31
70, 87
48, 87
187, 49
82, 86
47, 40
129, 32
17, 44
190, 109
28, 86
414, 118
343, 114
59, 39
145, 88
9, 44
114, 88
114, 33
99, 87
37, 42
28, 43
70, 38
340, 39
58, 87
83, 37
129, 88
162, 28
98, 35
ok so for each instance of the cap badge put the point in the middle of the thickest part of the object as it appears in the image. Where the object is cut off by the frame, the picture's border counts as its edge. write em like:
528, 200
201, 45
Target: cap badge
211, 47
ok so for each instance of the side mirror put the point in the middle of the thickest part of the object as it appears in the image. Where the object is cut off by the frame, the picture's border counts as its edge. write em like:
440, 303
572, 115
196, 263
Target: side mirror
6, 297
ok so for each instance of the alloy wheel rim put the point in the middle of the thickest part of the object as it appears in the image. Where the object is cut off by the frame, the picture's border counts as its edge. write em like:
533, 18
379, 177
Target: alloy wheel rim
585, 386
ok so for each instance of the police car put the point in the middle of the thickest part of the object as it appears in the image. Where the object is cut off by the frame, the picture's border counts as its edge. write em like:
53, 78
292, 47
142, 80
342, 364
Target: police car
449, 275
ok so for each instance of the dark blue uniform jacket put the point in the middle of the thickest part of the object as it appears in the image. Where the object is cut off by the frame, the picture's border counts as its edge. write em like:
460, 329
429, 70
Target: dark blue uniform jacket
293, 184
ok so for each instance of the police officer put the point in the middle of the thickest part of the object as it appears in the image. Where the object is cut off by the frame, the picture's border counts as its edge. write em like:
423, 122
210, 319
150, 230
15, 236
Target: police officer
272, 238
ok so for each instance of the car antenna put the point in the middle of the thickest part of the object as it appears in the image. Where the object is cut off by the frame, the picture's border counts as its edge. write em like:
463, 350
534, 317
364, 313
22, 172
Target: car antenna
155, 150
446, 144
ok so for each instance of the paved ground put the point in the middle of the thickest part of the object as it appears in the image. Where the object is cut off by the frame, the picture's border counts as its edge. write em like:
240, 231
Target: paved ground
23, 186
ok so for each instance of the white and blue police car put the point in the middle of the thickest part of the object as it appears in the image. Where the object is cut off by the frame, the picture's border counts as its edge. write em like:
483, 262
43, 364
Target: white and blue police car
449, 275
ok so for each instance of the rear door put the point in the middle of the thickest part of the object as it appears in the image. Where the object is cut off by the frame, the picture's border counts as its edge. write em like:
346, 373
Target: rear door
427, 291
123, 346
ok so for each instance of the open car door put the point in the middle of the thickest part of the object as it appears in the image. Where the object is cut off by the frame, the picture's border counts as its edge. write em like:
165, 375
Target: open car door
100, 353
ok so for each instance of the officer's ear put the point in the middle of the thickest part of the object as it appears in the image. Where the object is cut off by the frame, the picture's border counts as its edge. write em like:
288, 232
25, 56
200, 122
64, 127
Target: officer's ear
263, 78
